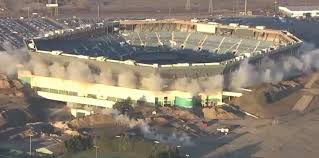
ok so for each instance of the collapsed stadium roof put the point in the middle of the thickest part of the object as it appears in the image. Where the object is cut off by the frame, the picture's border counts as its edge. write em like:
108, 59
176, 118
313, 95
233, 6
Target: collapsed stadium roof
172, 48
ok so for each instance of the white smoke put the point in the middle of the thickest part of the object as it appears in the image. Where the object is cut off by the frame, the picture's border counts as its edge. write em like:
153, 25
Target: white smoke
79, 71
39, 67
153, 82
273, 71
7, 63
57, 70
10, 58
105, 77
212, 84
268, 70
208, 85
148, 131
187, 85
127, 79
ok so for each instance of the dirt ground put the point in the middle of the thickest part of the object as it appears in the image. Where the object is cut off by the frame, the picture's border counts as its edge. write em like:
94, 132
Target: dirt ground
288, 134
294, 136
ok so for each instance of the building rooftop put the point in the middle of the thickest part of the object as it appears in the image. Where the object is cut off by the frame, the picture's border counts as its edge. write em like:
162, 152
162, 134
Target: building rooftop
303, 8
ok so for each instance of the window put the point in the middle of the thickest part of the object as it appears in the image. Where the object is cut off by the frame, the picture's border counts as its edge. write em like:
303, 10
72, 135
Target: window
54, 91
112, 99
44, 89
36, 88
63, 92
119, 99
91, 96
73, 93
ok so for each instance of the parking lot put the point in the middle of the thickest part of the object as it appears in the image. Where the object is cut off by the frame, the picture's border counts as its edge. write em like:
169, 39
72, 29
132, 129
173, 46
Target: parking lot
13, 32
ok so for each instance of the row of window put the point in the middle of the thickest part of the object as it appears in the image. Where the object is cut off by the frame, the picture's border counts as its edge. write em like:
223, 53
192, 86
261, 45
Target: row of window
70, 93
114, 99
56, 91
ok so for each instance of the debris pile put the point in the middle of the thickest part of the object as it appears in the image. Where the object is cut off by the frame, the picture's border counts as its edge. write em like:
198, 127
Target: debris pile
14, 117
269, 100
211, 113
90, 121
178, 113
10, 87
281, 90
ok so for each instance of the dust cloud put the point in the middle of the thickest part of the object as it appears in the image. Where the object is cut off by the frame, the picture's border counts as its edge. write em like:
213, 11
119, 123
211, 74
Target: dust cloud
10, 58
150, 132
127, 79
79, 71
105, 77
273, 71
208, 85
246, 75
57, 70
153, 82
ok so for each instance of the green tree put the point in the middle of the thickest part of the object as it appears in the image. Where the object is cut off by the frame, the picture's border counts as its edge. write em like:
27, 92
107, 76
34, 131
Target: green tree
78, 143
124, 106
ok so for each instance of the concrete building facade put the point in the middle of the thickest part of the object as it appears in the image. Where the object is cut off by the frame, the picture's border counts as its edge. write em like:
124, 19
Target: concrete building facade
104, 96
300, 11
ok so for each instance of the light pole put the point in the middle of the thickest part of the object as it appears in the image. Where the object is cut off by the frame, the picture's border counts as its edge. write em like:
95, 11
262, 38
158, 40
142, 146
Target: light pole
98, 9
96, 147
30, 145
156, 142
246, 7
28, 12
178, 149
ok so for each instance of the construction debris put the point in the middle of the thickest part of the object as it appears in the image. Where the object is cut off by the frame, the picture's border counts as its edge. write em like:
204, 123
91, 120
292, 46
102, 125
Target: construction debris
179, 113
281, 90
4, 84
10, 87
211, 113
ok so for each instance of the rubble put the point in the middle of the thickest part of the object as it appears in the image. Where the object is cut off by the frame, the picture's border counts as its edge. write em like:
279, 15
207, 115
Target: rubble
217, 113
281, 90
10, 87
61, 125
179, 113
71, 132
17, 84
18, 93
3, 77
90, 121
4, 84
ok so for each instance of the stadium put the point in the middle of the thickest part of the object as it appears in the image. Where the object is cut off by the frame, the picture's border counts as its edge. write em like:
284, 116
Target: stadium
162, 51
